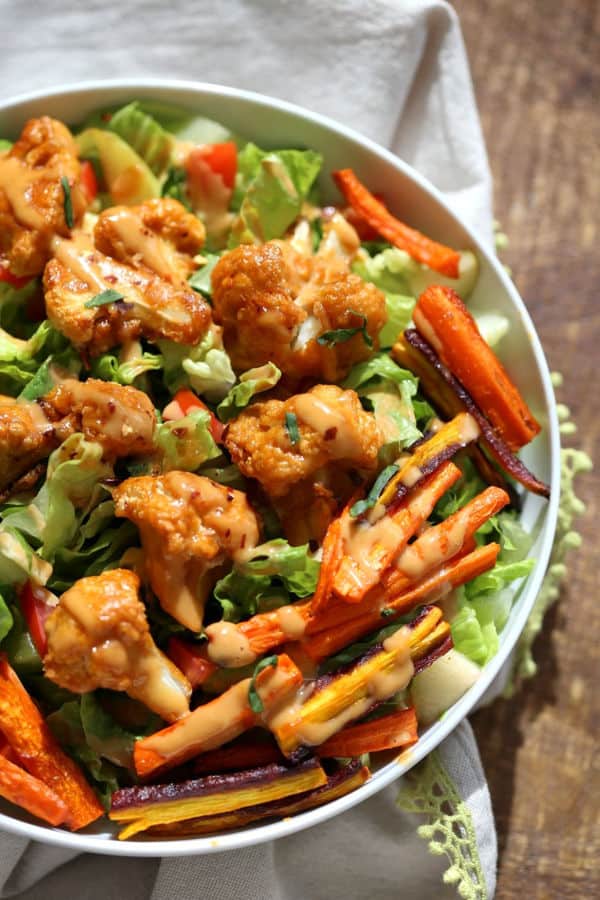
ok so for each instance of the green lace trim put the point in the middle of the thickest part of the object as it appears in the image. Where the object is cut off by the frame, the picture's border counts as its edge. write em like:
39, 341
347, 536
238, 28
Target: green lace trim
428, 789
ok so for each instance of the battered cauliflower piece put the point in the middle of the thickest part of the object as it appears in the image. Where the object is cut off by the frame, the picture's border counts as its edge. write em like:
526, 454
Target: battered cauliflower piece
120, 418
189, 525
158, 234
274, 302
26, 437
32, 199
98, 637
151, 306
332, 428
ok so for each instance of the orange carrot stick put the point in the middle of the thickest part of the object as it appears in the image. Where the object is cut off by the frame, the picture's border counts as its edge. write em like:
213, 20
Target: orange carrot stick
444, 321
325, 643
399, 729
216, 723
22, 789
30, 737
333, 548
437, 256
375, 545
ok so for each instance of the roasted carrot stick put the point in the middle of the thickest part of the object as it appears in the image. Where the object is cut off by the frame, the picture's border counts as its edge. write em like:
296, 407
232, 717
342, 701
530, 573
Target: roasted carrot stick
399, 729
333, 549
454, 573
445, 322
245, 753
437, 256
217, 722
371, 547
30, 737
445, 400
19, 787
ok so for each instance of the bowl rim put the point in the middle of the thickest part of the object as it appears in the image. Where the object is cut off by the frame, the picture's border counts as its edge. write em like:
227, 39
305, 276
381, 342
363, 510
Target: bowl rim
391, 771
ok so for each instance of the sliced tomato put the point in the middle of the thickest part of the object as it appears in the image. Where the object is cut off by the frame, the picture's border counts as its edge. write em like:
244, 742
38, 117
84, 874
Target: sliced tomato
184, 402
36, 605
191, 660
220, 158
16, 281
88, 180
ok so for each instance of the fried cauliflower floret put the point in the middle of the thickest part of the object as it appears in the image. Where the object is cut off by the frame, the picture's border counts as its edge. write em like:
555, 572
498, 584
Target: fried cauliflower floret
151, 307
98, 637
120, 418
26, 437
274, 302
32, 198
189, 525
158, 234
332, 427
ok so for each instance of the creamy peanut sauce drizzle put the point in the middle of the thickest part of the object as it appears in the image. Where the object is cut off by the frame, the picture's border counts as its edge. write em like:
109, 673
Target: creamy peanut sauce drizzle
80, 256
228, 646
418, 558
334, 423
153, 251
17, 180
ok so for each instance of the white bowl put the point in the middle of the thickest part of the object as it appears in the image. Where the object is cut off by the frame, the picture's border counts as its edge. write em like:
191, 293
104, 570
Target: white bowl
274, 123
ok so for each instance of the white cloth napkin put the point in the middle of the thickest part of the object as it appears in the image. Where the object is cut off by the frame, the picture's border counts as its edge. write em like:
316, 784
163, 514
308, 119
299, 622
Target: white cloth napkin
396, 71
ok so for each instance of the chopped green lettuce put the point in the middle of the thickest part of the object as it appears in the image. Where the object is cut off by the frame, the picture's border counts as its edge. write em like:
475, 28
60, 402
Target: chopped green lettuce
399, 309
252, 382
144, 134
116, 157
18, 561
186, 125
395, 272
6, 619
271, 187
275, 574
200, 280
205, 367
109, 368
186, 443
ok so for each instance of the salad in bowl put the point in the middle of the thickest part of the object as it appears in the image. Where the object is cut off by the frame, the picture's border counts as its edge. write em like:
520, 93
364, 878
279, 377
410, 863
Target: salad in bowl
260, 493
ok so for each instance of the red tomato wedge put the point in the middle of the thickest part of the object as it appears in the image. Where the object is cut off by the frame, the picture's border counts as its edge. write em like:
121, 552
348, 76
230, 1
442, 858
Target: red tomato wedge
191, 659
36, 605
184, 402
16, 281
220, 158
88, 180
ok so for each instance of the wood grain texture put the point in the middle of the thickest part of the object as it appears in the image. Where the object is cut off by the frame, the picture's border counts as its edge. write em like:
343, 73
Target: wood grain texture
536, 70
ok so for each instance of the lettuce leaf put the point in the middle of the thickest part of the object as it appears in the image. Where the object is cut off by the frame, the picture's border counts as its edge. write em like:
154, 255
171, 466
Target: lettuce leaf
25, 364
395, 272
252, 382
200, 280
275, 574
18, 561
399, 309
109, 368
6, 619
142, 132
205, 367
186, 443
271, 187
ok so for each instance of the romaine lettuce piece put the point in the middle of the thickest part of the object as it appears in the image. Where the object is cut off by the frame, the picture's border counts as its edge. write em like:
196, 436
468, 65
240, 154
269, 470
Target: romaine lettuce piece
6, 619
206, 367
142, 132
252, 382
395, 272
128, 179
109, 368
186, 443
21, 360
399, 309
200, 280
185, 125
18, 561
271, 187
493, 327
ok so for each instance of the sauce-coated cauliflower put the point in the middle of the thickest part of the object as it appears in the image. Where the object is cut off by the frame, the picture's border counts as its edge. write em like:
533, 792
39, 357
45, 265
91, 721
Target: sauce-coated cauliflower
98, 636
189, 525
26, 437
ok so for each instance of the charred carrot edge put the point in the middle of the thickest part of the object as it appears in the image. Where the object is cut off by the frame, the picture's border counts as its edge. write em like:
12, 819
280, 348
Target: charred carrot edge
445, 400
333, 549
437, 256
244, 754
339, 784
355, 577
177, 743
19, 787
444, 321
490, 438
325, 643
30, 737
399, 729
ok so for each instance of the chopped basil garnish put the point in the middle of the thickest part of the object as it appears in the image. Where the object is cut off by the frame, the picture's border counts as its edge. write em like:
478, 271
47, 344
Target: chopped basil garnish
386, 612
67, 201
103, 299
340, 335
256, 704
372, 497
291, 426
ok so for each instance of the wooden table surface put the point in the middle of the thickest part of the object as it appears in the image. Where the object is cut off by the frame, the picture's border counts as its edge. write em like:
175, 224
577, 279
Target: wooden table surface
536, 70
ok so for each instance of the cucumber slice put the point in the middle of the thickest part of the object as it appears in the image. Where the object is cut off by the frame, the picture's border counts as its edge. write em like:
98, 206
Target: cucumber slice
128, 178
436, 688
